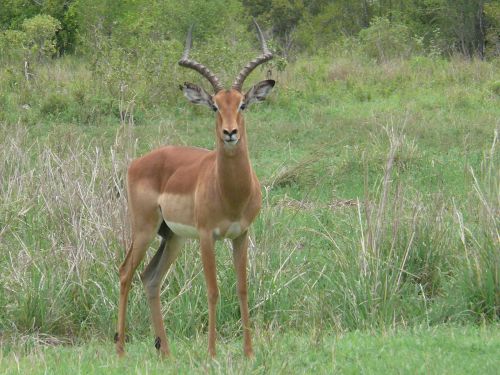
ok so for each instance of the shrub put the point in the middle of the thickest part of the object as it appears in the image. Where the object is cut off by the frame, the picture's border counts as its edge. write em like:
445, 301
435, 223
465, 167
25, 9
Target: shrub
40, 36
384, 40
11, 45
492, 37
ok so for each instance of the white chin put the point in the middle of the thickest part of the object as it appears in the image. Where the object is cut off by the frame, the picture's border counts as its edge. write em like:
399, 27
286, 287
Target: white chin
230, 144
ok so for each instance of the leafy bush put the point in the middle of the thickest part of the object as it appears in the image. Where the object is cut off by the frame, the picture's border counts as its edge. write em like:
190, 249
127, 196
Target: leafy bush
40, 35
35, 42
492, 37
11, 45
384, 40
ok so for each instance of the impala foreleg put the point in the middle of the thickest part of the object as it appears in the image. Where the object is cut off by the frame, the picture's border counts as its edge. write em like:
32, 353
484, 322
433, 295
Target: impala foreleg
208, 260
152, 278
240, 247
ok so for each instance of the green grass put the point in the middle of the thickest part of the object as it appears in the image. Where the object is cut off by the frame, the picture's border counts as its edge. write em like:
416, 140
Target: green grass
444, 350
380, 213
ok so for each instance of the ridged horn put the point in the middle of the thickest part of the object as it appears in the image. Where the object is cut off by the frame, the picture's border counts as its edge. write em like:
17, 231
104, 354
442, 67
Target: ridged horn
186, 62
266, 56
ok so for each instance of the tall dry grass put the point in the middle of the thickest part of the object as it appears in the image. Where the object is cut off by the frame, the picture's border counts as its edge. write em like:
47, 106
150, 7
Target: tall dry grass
397, 255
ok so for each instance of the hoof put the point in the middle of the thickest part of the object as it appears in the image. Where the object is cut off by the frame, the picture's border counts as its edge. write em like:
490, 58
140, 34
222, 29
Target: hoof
120, 351
164, 351
115, 338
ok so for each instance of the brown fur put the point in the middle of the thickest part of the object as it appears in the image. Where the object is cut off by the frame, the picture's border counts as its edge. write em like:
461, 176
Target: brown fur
207, 190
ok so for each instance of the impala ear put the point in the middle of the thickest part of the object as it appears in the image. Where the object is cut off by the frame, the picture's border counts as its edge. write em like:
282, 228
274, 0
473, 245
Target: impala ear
197, 95
259, 92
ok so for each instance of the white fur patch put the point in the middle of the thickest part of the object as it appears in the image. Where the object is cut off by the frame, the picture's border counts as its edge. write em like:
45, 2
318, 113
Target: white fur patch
183, 230
234, 230
187, 231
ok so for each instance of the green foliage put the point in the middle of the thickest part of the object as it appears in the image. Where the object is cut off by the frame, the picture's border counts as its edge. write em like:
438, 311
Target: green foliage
16, 12
34, 44
384, 40
452, 25
329, 21
149, 71
64, 12
492, 35
285, 15
11, 45
442, 26
130, 23
40, 32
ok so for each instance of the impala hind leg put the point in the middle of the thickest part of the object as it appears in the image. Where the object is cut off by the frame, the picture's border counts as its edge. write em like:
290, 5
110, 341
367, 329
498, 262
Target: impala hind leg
240, 246
152, 278
144, 229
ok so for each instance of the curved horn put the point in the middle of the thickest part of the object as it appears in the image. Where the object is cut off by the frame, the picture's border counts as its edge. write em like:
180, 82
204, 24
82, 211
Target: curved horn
266, 56
186, 62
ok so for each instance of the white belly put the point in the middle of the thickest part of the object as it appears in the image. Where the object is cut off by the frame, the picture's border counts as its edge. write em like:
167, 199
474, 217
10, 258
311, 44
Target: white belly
183, 230
232, 231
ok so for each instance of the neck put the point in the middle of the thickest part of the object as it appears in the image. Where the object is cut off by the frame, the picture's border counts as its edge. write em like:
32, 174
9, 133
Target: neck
234, 172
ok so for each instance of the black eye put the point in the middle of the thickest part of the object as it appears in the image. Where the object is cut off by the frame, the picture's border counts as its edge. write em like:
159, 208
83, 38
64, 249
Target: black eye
214, 108
242, 107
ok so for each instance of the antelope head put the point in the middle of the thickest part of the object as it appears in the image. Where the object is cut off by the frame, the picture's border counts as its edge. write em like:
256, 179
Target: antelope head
228, 104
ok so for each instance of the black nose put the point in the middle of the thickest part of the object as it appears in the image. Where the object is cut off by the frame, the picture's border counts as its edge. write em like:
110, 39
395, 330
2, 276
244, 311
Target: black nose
226, 132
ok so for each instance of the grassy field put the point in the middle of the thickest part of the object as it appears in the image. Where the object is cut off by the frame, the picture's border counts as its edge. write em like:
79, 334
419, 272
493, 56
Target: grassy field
381, 186
444, 350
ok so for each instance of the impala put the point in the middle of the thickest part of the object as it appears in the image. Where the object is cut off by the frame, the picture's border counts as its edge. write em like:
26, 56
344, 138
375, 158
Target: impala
187, 192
